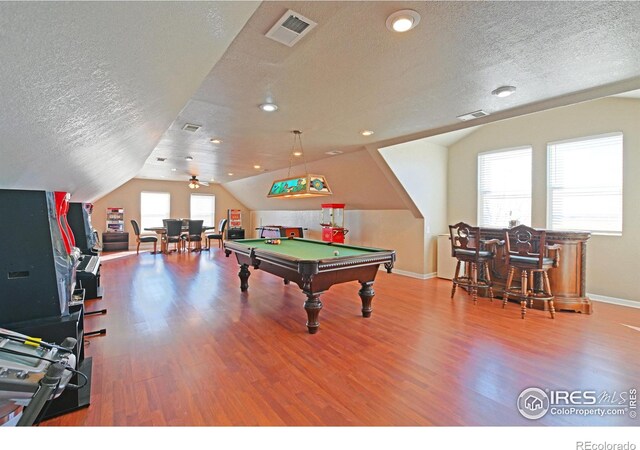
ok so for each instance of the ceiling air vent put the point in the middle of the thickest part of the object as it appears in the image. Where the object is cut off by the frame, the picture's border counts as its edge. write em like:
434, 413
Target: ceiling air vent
473, 115
161, 159
290, 28
191, 127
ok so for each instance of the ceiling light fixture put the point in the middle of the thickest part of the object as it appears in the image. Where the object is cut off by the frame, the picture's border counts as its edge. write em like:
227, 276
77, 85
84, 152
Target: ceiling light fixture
269, 107
256, 166
194, 183
189, 158
404, 20
306, 185
503, 91
230, 174
366, 132
215, 141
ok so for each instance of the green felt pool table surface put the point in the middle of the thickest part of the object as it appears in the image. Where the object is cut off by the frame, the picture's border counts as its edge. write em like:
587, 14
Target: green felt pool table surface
309, 250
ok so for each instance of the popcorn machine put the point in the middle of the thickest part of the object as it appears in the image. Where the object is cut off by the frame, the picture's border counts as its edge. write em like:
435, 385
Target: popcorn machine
333, 223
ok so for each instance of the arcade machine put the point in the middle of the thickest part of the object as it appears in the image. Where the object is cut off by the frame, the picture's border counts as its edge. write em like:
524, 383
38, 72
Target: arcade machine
333, 223
88, 271
38, 279
32, 373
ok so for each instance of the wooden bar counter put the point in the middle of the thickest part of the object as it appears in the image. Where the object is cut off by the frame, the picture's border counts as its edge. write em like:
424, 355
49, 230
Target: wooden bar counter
568, 280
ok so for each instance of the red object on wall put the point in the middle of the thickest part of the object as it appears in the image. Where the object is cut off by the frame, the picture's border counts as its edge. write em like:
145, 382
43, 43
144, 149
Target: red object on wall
62, 207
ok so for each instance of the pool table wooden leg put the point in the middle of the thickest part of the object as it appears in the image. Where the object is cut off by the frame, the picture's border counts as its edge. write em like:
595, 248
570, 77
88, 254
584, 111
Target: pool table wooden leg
313, 305
244, 275
366, 295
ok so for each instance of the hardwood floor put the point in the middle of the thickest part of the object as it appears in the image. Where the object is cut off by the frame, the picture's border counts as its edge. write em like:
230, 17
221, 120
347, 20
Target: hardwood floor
185, 347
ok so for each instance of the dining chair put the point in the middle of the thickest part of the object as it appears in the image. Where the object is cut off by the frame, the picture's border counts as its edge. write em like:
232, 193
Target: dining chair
219, 235
194, 234
173, 234
143, 238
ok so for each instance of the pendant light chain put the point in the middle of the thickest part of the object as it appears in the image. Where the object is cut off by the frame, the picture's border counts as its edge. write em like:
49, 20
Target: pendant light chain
297, 137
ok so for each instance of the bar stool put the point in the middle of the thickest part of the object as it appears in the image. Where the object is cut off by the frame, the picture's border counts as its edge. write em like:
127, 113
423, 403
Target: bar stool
527, 251
468, 248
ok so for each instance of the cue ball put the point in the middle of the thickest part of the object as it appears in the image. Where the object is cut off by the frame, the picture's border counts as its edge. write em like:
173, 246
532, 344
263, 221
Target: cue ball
336, 253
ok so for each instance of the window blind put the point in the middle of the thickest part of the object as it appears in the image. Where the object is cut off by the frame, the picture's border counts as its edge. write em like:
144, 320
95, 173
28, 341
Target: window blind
203, 207
585, 184
504, 187
154, 206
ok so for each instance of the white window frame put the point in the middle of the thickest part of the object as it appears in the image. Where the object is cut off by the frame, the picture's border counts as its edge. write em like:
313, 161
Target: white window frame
520, 213
155, 219
211, 219
605, 184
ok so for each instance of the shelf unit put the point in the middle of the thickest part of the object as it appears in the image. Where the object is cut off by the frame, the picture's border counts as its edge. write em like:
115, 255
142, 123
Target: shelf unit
115, 220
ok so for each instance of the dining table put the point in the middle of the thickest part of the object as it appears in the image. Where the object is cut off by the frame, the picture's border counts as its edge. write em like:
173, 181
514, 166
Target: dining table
160, 231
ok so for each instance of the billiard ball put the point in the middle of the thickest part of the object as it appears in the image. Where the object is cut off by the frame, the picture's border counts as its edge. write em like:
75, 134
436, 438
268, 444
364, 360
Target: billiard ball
336, 253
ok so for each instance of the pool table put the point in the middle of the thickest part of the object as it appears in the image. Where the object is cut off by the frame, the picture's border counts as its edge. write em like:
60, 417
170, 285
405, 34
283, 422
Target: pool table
314, 266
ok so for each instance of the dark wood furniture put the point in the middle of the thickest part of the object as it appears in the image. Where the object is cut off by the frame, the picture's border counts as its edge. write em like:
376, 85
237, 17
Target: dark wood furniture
314, 266
468, 248
114, 241
568, 280
235, 233
527, 252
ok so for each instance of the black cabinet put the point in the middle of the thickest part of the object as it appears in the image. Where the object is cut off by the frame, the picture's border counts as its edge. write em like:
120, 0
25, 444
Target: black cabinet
115, 241
235, 233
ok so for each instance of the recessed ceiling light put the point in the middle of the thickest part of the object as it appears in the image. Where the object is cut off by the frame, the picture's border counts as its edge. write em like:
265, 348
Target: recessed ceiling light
189, 158
212, 180
215, 141
269, 107
230, 174
366, 132
404, 20
297, 153
256, 166
173, 169
503, 91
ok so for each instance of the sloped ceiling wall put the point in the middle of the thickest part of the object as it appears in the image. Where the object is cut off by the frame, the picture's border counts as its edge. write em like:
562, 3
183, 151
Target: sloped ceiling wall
88, 88
355, 179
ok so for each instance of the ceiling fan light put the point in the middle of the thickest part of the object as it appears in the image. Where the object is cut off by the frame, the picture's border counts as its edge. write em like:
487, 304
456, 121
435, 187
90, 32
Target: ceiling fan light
194, 183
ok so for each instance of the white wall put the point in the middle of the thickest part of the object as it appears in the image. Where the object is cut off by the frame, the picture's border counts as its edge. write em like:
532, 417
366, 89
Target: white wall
421, 167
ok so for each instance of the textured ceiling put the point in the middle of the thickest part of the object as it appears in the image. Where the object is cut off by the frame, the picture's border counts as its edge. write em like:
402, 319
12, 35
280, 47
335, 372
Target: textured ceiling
88, 88
92, 90
350, 73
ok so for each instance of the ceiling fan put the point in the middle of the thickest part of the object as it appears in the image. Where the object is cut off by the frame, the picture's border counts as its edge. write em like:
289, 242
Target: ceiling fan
194, 183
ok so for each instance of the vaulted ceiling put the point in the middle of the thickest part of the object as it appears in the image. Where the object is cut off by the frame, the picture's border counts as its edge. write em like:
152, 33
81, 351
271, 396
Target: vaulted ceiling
93, 93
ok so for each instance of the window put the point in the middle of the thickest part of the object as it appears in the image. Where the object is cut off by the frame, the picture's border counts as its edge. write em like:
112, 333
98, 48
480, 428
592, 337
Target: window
584, 189
203, 207
154, 206
504, 187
